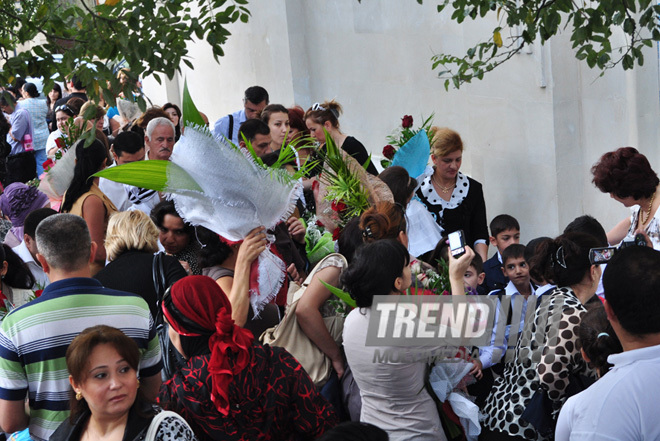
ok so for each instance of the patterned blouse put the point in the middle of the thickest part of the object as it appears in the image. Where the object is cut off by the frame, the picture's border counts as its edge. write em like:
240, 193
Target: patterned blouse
544, 362
273, 399
652, 229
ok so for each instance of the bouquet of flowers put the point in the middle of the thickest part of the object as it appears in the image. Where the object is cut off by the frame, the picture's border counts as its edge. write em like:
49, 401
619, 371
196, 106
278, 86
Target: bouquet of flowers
401, 136
343, 190
55, 182
428, 281
318, 241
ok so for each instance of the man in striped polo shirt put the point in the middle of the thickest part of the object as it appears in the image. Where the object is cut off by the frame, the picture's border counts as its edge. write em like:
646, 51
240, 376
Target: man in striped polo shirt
34, 338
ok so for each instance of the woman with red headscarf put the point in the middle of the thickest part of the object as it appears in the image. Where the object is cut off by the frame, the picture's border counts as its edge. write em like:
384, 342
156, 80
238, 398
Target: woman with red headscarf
231, 389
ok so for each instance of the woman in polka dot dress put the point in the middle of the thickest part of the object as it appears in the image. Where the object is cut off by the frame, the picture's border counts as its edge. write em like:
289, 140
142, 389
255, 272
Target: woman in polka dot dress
455, 200
546, 352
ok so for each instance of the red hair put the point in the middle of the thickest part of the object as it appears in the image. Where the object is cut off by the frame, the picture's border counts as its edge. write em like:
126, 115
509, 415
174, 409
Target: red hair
625, 172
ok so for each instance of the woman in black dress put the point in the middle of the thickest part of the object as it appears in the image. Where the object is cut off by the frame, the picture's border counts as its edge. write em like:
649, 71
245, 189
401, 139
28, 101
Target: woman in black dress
456, 201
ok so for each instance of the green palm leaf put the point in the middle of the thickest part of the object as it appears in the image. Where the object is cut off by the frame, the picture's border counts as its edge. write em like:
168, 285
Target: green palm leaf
343, 295
151, 174
190, 112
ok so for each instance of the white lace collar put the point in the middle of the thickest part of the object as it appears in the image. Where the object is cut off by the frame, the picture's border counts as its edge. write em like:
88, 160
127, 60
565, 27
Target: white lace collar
457, 196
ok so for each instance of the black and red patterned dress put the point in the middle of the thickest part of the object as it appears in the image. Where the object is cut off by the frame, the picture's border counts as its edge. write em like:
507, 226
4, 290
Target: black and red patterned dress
272, 399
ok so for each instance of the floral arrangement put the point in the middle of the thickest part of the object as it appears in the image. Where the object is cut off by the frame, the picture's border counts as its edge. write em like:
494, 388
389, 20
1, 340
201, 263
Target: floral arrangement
318, 242
345, 191
401, 136
63, 143
428, 281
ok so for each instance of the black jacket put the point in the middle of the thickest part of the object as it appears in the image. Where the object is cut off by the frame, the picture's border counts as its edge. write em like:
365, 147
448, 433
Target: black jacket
136, 427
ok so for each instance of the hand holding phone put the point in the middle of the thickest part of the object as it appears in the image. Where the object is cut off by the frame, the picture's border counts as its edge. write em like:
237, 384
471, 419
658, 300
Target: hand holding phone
457, 243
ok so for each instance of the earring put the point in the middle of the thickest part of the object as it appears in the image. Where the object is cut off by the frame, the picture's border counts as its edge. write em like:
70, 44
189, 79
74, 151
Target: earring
138, 383
78, 396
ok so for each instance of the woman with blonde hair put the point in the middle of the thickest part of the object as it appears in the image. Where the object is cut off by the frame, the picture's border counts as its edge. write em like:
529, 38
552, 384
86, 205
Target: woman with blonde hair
456, 201
326, 116
131, 241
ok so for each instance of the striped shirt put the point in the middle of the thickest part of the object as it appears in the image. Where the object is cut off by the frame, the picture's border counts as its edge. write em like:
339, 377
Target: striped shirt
34, 339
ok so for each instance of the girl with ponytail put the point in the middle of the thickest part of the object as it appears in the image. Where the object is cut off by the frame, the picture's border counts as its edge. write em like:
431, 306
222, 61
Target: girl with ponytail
324, 117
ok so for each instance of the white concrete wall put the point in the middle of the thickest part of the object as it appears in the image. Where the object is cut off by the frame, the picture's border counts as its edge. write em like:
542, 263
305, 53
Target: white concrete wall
532, 128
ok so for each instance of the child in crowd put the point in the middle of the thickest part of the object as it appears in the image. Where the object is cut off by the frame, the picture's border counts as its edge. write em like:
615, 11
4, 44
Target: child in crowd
504, 230
598, 339
516, 270
474, 275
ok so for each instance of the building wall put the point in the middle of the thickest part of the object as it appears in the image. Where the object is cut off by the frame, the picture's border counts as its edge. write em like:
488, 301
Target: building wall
532, 128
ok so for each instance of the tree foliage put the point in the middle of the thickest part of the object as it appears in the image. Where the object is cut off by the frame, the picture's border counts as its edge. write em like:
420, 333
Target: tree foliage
593, 25
94, 40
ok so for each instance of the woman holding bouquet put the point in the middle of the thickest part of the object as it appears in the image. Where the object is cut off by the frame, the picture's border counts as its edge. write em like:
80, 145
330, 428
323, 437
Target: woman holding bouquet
455, 200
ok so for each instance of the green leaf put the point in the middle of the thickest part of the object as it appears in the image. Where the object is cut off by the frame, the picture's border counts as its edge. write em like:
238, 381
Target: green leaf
190, 113
41, 12
341, 294
152, 174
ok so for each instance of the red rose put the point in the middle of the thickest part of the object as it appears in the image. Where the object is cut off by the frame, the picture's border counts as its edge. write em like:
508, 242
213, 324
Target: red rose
335, 234
38, 292
60, 143
338, 206
389, 151
319, 223
407, 121
420, 292
48, 164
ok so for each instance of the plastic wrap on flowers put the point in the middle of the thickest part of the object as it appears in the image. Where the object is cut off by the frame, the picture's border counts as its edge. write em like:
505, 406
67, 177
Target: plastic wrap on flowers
58, 179
324, 246
414, 154
444, 378
237, 196
423, 231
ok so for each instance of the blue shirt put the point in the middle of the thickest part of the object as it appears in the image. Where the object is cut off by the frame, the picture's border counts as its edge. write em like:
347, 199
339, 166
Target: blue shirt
21, 125
221, 127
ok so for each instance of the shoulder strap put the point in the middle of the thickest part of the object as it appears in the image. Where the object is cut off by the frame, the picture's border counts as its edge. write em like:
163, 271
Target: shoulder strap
319, 265
160, 285
311, 275
230, 132
158, 419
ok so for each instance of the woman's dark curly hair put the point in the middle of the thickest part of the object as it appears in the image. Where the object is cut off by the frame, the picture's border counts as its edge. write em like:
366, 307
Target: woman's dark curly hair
213, 251
625, 173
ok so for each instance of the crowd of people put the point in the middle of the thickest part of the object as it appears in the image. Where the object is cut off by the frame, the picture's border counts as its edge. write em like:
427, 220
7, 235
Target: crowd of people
124, 320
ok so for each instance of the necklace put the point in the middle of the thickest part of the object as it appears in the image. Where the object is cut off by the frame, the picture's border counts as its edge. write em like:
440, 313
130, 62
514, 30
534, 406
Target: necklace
648, 211
443, 188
